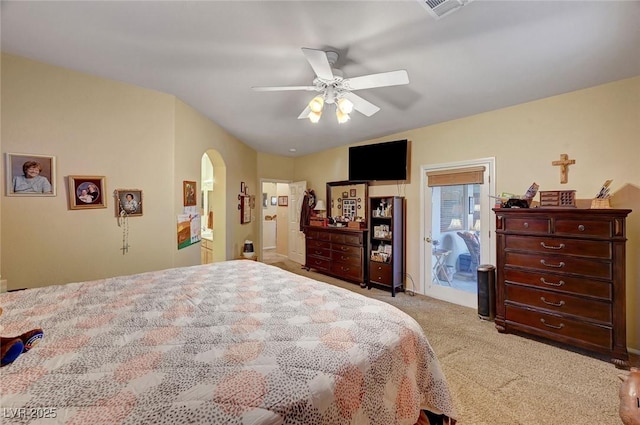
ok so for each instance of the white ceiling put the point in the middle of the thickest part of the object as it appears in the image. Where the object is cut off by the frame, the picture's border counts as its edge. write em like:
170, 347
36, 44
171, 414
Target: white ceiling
485, 56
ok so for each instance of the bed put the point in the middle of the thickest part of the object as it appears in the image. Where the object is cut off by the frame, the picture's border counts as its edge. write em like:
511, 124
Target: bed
237, 342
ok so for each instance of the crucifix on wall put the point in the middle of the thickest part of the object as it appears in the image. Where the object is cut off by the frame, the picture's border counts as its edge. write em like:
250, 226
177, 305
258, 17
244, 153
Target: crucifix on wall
564, 166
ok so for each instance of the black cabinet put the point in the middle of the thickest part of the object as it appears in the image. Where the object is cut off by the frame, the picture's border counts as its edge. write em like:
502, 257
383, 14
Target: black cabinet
386, 242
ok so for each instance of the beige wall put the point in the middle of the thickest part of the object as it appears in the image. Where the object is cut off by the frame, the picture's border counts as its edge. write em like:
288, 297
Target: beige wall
598, 127
138, 139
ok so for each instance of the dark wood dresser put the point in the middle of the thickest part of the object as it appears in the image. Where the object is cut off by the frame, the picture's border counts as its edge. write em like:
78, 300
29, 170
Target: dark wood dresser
337, 251
561, 275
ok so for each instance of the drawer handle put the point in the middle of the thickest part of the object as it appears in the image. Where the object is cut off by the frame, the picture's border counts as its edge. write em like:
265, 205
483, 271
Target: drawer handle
345, 269
551, 283
544, 245
344, 248
526, 225
559, 304
318, 252
318, 262
581, 227
560, 326
544, 263
343, 257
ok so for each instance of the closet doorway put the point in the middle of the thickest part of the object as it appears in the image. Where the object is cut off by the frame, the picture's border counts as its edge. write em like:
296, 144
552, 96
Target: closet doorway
457, 228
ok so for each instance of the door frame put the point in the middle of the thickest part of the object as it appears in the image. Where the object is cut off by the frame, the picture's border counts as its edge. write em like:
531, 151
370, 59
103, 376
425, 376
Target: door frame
487, 225
260, 226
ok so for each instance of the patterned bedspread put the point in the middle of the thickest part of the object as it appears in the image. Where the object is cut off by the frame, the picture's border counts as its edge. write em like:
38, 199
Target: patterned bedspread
238, 342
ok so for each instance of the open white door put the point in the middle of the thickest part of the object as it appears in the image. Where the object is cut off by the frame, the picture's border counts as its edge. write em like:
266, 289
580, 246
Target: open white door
296, 236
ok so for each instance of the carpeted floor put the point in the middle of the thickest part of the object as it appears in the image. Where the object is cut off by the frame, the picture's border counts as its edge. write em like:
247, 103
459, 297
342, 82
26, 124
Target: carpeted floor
501, 378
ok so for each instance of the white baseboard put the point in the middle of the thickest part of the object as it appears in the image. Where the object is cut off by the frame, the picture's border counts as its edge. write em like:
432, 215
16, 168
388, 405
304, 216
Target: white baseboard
634, 351
3, 286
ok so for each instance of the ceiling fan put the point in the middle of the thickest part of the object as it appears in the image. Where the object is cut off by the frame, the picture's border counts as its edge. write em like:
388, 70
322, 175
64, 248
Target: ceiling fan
333, 88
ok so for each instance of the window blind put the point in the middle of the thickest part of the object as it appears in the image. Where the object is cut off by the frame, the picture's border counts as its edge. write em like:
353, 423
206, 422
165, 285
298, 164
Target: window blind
469, 175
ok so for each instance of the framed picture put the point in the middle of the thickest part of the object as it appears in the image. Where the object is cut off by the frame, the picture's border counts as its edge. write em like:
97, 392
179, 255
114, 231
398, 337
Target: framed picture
345, 194
264, 200
87, 192
274, 200
189, 193
242, 187
30, 174
283, 201
245, 209
352, 193
128, 202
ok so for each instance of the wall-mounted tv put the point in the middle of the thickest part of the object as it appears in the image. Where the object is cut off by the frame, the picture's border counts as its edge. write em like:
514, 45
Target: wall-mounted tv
380, 161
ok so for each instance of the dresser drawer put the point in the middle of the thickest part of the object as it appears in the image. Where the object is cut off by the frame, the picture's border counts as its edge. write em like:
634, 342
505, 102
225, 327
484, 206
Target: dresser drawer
348, 271
318, 263
355, 239
596, 249
317, 244
560, 283
380, 273
347, 257
592, 228
319, 252
527, 225
317, 234
560, 303
560, 328
560, 264
346, 249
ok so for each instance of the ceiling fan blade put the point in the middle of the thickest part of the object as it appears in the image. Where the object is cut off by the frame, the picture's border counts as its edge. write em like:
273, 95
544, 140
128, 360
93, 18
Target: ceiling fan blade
305, 113
319, 62
362, 105
384, 79
284, 88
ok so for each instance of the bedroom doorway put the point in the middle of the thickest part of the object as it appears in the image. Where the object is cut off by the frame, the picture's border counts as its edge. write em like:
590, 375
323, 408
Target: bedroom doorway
274, 221
457, 225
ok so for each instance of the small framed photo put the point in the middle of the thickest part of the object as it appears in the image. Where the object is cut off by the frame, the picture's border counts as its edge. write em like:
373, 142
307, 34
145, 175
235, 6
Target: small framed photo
87, 192
189, 193
30, 174
283, 201
345, 194
352, 193
243, 187
128, 202
274, 200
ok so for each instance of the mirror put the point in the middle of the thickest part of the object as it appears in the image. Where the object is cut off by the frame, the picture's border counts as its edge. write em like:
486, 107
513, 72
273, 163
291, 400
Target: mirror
347, 200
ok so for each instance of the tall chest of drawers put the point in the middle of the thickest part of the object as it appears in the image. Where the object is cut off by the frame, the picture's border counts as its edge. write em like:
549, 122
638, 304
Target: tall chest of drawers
561, 276
337, 251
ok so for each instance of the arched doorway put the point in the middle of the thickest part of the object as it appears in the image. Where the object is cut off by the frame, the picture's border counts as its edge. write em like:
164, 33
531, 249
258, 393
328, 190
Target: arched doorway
213, 207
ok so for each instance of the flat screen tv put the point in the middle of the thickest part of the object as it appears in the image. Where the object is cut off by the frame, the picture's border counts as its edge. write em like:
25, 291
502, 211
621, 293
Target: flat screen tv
380, 161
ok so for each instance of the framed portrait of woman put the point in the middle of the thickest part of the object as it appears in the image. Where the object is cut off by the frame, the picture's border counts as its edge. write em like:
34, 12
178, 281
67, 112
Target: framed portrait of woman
30, 174
87, 192
128, 202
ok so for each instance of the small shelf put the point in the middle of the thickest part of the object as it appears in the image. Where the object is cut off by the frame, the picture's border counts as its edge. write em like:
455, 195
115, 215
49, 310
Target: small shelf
386, 242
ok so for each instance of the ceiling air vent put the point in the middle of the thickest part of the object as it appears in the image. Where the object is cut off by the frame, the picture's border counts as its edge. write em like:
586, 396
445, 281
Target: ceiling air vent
441, 8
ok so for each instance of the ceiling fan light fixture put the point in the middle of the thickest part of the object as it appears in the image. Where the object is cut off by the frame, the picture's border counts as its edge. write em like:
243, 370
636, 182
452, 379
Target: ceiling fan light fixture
345, 105
314, 116
316, 104
342, 117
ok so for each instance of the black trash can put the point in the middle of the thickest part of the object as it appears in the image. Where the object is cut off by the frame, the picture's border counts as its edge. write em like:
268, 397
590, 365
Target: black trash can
486, 291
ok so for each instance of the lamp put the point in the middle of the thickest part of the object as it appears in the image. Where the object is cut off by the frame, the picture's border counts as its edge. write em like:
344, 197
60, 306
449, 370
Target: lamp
343, 106
320, 207
455, 224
